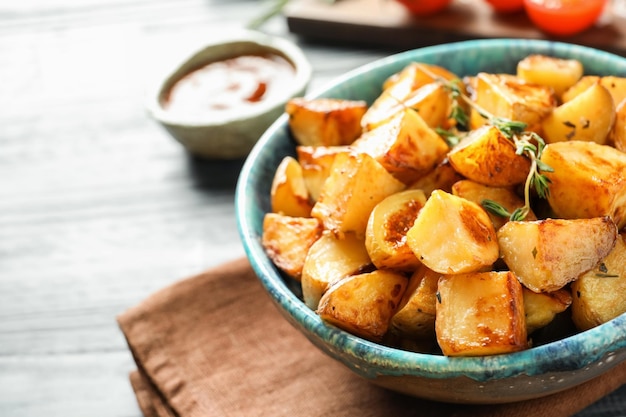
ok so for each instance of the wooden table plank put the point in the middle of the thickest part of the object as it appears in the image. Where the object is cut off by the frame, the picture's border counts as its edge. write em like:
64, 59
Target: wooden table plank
387, 23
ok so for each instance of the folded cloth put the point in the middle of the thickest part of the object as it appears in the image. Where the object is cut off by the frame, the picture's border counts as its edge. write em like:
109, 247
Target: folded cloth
214, 345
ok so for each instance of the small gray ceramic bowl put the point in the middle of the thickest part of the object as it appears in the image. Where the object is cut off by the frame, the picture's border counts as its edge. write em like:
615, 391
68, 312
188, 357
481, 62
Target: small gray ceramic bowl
539, 371
231, 135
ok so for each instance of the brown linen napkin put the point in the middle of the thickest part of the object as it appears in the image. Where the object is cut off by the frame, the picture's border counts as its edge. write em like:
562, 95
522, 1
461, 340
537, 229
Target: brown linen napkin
214, 345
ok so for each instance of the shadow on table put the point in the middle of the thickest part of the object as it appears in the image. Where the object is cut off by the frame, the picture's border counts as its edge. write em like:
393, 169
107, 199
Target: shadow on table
214, 174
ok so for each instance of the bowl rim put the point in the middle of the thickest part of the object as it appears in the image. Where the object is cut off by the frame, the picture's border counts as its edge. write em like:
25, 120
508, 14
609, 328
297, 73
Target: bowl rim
598, 344
243, 38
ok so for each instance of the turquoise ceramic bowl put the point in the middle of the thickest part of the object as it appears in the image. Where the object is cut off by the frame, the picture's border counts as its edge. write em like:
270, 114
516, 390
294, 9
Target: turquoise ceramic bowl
533, 373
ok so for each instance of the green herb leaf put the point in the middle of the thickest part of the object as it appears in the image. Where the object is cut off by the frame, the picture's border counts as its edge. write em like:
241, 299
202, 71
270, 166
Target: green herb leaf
495, 208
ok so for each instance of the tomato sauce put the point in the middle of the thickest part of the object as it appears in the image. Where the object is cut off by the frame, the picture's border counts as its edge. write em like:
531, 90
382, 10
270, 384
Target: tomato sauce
230, 85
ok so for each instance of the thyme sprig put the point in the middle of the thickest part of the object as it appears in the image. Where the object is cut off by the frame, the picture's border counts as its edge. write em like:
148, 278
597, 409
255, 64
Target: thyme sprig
526, 143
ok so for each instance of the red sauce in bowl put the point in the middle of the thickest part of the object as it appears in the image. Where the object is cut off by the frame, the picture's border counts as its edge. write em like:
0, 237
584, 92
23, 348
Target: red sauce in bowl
230, 85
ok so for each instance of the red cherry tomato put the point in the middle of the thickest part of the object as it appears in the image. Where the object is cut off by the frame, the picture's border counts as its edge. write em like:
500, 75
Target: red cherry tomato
564, 17
424, 7
506, 6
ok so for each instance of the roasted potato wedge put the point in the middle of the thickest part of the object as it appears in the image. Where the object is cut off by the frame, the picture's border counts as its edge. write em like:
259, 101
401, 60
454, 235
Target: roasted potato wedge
488, 157
364, 304
287, 240
480, 314
616, 87
589, 180
546, 255
452, 235
618, 133
510, 97
478, 193
587, 117
316, 162
325, 121
598, 295
584, 83
419, 74
415, 318
289, 193
385, 237
557, 73
329, 260
442, 177
405, 145
542, 308
355, 185
432, 101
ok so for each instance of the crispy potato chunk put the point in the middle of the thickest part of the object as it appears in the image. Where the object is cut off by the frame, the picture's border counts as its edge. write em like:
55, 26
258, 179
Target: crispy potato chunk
616, 87
587, 117
589, 180
557, 73
417, 74
432, 101
599, 293
480, 314
584, 83
328, 261
442, 177
548, 254
542, 308
415, 318
488, 157
506, 197
406, 146
316, 162
512, 98
452, 235
618, 133
355, 185
289, 194
325, 121
287, 240
385, 237
363, 304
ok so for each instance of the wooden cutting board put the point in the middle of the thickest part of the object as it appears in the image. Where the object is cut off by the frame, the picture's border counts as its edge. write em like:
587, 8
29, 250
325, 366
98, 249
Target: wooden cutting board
386, 23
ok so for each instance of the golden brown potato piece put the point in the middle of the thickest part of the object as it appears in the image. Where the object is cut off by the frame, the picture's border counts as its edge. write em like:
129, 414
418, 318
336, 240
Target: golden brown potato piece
432, 101
589, 180
478, 193
618, 133
385, 237
289, 194
616, 87
584, 83
316, 162
548, 254
329, 260
405, 145
488, 157
599, 295
419, 74
541, 308
415, 318
355, 185
325, 121
442, 177
287, 240
480, 314
557, 73
587, 117
363, 304
452, 235
510, 97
